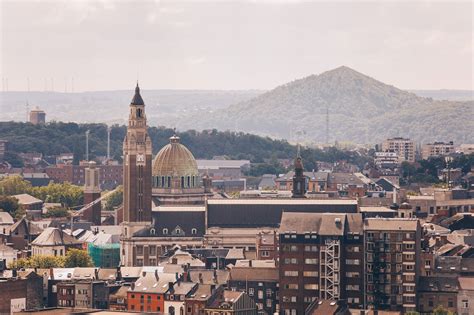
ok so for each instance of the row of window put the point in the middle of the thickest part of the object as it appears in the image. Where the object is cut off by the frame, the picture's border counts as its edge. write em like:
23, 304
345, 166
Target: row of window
295, 273
294, 261
165, 181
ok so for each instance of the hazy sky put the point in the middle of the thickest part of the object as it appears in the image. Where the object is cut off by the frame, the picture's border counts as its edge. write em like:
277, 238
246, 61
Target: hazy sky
233, 44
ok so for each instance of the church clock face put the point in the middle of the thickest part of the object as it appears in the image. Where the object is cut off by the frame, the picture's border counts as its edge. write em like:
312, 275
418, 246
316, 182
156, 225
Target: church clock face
140, 158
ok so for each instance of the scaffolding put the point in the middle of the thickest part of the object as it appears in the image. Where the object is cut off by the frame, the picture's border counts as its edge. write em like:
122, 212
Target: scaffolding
330, 279
104, 256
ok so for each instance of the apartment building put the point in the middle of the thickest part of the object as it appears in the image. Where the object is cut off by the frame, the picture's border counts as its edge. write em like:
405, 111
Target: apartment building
392, 248
405, 148
437, 149
311, 259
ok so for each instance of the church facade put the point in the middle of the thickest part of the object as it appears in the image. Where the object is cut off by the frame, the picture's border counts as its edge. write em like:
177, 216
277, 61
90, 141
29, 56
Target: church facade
168, 204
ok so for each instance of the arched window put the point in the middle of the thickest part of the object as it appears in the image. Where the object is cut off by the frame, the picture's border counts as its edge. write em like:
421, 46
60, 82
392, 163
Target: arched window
162, 181
194, 231
182, 181
165, 231
169, 182
189, 181
171, 310
152, 231
194, 181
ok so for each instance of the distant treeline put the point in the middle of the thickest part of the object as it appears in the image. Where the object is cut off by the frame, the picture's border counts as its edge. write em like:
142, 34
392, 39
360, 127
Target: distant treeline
58, 137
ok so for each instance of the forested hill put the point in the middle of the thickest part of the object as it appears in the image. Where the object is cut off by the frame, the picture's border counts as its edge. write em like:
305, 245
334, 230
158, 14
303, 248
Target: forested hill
58, 137
360, 109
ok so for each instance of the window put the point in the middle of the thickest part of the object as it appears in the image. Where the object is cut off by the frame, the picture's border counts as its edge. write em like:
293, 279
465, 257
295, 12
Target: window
310, 273
193, 231
265, 253
410, 267
290, 248
165, 231
410, 246
152, 250
289, 261
292, 286
309, 286
352, 287
269, 303
139, 262
309, 248
269, 293
465, 303
352, 262
140, 250
260, 294
251, 291
311, 261
352, 274
409, 256
291, 273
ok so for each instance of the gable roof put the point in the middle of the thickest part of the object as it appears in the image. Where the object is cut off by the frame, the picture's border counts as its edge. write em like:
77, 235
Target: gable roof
26, 199
5, 218
53, 236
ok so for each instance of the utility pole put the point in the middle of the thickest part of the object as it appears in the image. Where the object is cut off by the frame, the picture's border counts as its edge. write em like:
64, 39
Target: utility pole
87, 145
327, 125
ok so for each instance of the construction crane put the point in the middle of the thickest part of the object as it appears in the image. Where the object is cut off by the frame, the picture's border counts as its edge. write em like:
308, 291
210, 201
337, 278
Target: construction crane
87, 206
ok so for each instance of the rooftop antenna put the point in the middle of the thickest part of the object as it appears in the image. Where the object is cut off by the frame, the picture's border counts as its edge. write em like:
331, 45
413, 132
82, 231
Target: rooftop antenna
87, 145
109, 130
298, 150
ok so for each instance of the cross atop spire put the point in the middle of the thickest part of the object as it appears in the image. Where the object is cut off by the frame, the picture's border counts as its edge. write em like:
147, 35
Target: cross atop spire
137, 98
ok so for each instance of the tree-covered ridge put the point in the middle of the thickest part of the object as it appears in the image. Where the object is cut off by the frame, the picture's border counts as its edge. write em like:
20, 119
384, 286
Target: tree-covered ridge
57, 137
361, 109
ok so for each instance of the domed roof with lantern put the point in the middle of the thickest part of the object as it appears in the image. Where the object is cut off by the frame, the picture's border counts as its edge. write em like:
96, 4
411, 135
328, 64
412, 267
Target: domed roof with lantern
175, 160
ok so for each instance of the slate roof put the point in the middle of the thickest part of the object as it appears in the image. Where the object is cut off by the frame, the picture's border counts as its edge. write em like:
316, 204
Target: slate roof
249, 213
53, 236
326, 224
137, 98
438, 284
180, 218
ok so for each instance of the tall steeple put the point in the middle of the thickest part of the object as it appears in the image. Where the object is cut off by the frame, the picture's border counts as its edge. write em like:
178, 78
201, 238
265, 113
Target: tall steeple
299, 180
137, 164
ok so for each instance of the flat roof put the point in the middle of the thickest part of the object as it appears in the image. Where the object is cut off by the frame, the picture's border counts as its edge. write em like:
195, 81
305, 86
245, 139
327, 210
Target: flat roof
281, 201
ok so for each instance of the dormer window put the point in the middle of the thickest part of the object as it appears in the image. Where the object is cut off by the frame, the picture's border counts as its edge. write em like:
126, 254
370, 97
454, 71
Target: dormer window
165, 231
194, 231
153, 231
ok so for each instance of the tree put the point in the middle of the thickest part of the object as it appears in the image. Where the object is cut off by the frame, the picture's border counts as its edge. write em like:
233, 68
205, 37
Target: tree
39, 261
14, 185
57, 212
440, 310
67, 194
9, 204
115, 199
77, 258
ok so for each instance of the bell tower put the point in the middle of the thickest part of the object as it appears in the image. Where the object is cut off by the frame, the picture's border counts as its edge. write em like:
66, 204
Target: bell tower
137, 164
299, 180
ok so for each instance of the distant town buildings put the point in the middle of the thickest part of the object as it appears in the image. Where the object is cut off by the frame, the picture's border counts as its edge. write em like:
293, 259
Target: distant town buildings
405, 148
37, 116
437, 149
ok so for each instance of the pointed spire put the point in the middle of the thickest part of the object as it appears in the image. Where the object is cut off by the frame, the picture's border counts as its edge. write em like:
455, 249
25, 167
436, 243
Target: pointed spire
137, 98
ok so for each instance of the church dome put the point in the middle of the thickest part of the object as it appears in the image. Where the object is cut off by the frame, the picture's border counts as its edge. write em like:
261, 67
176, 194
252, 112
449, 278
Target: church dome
174, 159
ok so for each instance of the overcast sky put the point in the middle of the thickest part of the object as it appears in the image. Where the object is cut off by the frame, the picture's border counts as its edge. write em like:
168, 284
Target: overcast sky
106, 44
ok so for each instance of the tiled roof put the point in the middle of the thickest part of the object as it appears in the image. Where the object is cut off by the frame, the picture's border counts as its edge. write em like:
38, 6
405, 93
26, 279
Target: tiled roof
254, 274
392, 224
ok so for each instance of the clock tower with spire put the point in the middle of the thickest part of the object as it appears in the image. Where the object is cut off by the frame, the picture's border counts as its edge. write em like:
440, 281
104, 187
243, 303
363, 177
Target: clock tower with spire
137, 165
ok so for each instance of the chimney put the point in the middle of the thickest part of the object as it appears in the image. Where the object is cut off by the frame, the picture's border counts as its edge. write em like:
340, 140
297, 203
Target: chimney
132, 286
201, 281
214, 276
176, 275
170, 286
156, 275
118, 275
213, 288
143, 273
14, 273
96, 273
250, 262
51, 273
174, 260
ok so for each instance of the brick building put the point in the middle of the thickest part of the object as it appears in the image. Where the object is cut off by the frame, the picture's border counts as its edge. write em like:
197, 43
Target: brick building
110, 176
22, 292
